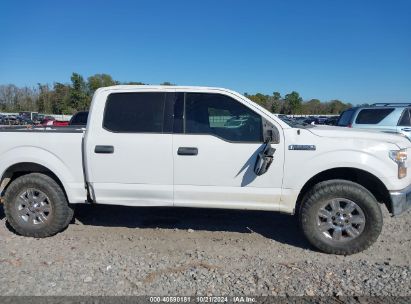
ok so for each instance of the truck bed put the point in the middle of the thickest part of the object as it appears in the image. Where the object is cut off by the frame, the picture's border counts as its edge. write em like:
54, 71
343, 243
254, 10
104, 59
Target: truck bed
58, 149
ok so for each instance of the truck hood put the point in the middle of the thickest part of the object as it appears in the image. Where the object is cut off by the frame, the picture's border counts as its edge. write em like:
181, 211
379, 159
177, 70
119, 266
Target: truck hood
376, 135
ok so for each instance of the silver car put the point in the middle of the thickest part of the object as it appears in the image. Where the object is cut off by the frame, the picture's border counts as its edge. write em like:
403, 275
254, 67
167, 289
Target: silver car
394, 117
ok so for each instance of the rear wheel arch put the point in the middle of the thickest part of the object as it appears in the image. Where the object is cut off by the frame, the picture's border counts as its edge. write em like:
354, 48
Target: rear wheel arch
19, 169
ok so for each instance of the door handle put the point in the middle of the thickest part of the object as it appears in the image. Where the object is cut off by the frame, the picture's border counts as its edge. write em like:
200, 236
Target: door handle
187, 151
104, 149
406, 129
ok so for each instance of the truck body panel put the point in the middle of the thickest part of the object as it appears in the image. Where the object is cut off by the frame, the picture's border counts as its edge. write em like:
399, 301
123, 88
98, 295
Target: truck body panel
145, 169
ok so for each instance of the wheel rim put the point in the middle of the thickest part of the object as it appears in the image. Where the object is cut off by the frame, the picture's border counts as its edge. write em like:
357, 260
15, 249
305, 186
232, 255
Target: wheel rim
34, 207
340, 220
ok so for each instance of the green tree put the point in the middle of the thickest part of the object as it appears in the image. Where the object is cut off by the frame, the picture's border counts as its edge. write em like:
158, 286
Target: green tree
44, 102
276, 106
336, 107
313, 106
98, 81
61, 99
259, 99
79, 99
135, 83
294, 102
276, 96
167, 83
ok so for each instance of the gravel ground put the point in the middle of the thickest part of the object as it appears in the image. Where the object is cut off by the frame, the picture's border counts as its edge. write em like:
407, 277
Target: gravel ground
113, 250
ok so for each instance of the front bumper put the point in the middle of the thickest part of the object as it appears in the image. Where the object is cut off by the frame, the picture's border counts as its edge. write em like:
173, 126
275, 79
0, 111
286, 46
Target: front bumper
400, 200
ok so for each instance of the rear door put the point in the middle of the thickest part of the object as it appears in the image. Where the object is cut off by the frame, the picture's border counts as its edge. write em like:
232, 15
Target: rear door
216, 141
128, 152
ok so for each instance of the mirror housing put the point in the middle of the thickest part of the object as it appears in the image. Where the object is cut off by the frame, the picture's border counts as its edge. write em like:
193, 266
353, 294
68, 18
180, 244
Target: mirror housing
264, 160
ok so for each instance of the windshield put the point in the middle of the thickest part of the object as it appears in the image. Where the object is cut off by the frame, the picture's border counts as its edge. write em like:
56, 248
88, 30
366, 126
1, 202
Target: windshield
298, 122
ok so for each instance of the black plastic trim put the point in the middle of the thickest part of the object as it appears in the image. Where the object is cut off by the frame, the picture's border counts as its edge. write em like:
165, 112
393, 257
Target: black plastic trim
187, 151
104, 149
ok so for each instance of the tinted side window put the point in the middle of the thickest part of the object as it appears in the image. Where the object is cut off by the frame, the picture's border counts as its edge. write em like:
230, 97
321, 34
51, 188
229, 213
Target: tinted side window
135, 112
345, 118
372, 116
79, 118
222, 116
405, 120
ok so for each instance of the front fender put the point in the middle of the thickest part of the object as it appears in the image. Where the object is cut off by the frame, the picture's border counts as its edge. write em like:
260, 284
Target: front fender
378, 164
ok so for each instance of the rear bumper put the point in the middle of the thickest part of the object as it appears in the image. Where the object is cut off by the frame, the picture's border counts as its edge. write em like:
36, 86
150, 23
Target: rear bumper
400, 200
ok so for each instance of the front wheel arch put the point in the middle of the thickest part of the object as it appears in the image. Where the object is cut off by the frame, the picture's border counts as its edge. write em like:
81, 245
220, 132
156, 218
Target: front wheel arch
367, 180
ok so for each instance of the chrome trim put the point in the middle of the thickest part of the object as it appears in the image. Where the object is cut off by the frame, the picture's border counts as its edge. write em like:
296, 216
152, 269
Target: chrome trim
400, 200
302, 147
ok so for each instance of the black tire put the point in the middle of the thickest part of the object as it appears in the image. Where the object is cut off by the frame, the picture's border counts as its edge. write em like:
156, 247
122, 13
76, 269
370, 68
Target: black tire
58, 217
324, 192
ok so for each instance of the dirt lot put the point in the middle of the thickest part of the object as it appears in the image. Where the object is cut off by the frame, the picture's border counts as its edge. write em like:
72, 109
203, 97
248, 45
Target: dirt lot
111, 250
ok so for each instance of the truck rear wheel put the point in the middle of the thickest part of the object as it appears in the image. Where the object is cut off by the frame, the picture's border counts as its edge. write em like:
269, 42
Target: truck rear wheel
36, 206
340, 217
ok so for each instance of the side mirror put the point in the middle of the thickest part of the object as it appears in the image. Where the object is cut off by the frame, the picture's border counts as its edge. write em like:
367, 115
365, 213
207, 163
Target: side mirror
266, 156
264, 160
271, 134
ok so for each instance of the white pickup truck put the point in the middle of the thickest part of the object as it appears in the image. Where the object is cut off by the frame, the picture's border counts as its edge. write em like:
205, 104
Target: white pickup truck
207, 148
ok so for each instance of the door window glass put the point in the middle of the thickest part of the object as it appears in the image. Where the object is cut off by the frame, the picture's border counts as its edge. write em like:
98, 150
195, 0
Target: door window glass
221, 116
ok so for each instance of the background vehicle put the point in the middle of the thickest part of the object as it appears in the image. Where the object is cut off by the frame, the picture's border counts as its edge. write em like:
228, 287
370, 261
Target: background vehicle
394, 117
79, 119
170, 146
332, 121
51, 121
23, 120
311, 120
29, 116
10, 120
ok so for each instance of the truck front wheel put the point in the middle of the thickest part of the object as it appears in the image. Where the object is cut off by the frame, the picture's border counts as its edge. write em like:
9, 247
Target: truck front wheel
340, 217
35, 205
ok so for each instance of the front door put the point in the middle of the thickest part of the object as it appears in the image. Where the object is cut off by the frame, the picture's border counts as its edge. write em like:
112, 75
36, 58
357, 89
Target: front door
216, 141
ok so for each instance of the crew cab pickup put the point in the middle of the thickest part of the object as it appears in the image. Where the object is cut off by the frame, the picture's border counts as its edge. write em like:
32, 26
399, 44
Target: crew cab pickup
207, 148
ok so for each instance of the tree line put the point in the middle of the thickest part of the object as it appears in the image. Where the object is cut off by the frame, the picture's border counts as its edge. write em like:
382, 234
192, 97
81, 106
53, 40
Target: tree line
68, 98
292, 104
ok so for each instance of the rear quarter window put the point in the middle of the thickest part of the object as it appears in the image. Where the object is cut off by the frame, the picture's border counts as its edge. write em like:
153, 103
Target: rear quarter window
345, 118
372, 116
141, 112
405, 120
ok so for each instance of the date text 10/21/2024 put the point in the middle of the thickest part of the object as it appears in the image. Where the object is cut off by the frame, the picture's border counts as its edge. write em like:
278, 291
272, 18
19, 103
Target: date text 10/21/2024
202, 299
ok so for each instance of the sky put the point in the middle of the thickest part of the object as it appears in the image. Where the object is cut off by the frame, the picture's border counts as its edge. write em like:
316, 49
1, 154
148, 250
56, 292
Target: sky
356, 51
